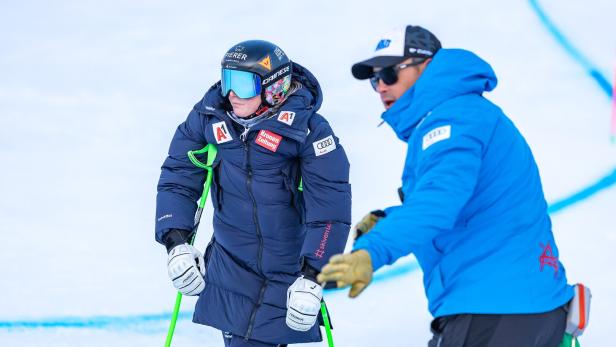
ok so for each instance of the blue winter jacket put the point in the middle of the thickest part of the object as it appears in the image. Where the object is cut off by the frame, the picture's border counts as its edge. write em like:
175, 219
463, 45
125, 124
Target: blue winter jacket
474, 213
264, 227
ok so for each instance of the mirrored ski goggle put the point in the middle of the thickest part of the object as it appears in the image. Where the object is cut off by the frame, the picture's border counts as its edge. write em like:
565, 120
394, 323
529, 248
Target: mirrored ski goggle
389, 75
243, 83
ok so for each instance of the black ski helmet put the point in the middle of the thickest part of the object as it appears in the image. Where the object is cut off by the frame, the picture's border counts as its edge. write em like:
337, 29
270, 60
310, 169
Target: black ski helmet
266, 60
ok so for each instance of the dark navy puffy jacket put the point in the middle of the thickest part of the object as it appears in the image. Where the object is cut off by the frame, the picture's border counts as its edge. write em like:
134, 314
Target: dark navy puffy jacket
264, 227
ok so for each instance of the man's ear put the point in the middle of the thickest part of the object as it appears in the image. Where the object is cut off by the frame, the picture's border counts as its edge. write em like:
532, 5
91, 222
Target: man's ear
424, 65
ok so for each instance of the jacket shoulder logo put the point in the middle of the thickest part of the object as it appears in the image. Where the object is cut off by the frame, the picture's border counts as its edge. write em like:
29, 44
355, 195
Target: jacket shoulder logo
221, 133
324, 146
268, 140
436, 135
286, 117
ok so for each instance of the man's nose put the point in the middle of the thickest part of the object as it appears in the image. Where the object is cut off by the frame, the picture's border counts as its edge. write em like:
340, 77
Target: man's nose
381, 86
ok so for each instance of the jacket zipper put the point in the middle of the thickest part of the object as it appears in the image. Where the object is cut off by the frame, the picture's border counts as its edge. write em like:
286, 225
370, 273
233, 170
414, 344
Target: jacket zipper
255, 218
254, 311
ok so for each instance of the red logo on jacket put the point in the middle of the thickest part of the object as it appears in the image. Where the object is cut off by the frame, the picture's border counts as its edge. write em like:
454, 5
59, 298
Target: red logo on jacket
320, 252
547, 258
269, 140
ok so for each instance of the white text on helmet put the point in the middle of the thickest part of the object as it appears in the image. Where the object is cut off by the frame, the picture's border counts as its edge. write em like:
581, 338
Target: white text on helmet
233, 55
279, 53
276, 75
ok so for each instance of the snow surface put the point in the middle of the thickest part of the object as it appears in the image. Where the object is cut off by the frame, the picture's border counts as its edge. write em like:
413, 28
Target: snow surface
91, 93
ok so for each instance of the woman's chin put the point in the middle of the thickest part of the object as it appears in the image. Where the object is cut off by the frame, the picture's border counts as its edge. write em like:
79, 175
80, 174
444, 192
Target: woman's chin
240, 112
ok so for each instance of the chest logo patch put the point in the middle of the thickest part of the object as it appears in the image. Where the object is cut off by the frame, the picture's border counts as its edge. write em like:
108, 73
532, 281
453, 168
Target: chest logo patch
324, 146
286, 117
268, 140
436, 135
221, 133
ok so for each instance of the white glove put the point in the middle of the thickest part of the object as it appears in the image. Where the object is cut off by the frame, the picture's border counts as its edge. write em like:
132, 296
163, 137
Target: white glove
186, 268
303, 304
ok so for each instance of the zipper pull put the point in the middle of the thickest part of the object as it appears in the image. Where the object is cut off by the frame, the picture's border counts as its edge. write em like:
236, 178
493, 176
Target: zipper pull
244, 134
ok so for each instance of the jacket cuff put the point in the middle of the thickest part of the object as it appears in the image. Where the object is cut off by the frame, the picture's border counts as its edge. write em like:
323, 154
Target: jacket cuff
379, 213
311, 273
322, 241
375, 257
176, 237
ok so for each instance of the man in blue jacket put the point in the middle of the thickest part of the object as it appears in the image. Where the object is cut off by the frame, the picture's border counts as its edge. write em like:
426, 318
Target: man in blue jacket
473, 211
257, 281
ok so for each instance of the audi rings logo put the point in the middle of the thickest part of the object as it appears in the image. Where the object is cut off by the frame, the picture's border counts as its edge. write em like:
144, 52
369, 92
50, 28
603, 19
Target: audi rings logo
324, 146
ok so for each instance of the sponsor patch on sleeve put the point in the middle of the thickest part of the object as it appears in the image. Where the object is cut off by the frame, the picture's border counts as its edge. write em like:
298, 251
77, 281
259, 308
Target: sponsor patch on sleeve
324, 146
168, 215
221, 133
286, 117
268, 140
436, 135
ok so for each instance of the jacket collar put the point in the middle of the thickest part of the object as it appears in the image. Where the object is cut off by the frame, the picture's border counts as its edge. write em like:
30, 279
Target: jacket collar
451, 73
303, 103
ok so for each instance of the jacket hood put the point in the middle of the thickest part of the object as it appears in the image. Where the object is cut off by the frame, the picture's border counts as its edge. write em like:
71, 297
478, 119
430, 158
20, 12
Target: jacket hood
451, 73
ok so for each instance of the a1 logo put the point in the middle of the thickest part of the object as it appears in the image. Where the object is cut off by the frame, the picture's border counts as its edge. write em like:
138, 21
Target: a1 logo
286, 117
221, 133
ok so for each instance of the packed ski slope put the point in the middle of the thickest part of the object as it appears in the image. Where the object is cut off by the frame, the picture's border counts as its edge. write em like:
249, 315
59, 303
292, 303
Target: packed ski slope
91, 93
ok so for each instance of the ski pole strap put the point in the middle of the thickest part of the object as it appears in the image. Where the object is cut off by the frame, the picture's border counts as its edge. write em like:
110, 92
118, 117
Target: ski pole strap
211, 151
328, 329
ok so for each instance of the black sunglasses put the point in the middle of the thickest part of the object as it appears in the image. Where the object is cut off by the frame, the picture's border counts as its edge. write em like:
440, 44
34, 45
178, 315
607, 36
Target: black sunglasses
389, 75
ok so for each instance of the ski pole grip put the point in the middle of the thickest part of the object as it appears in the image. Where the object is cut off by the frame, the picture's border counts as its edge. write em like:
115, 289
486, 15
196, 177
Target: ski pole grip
211, 151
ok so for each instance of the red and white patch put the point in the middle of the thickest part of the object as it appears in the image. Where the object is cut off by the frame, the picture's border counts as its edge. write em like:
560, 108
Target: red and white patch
221, 133
286, 117
268, 140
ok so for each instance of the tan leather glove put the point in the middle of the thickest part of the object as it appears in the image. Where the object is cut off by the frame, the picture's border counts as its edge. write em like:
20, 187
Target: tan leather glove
352, 269
367, 223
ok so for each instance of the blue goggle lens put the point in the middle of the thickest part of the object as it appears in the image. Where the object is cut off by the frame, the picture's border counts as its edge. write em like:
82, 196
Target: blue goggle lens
243, 83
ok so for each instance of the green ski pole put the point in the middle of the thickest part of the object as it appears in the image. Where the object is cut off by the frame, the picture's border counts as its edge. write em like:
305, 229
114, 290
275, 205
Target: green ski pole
328, 329
211, 151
